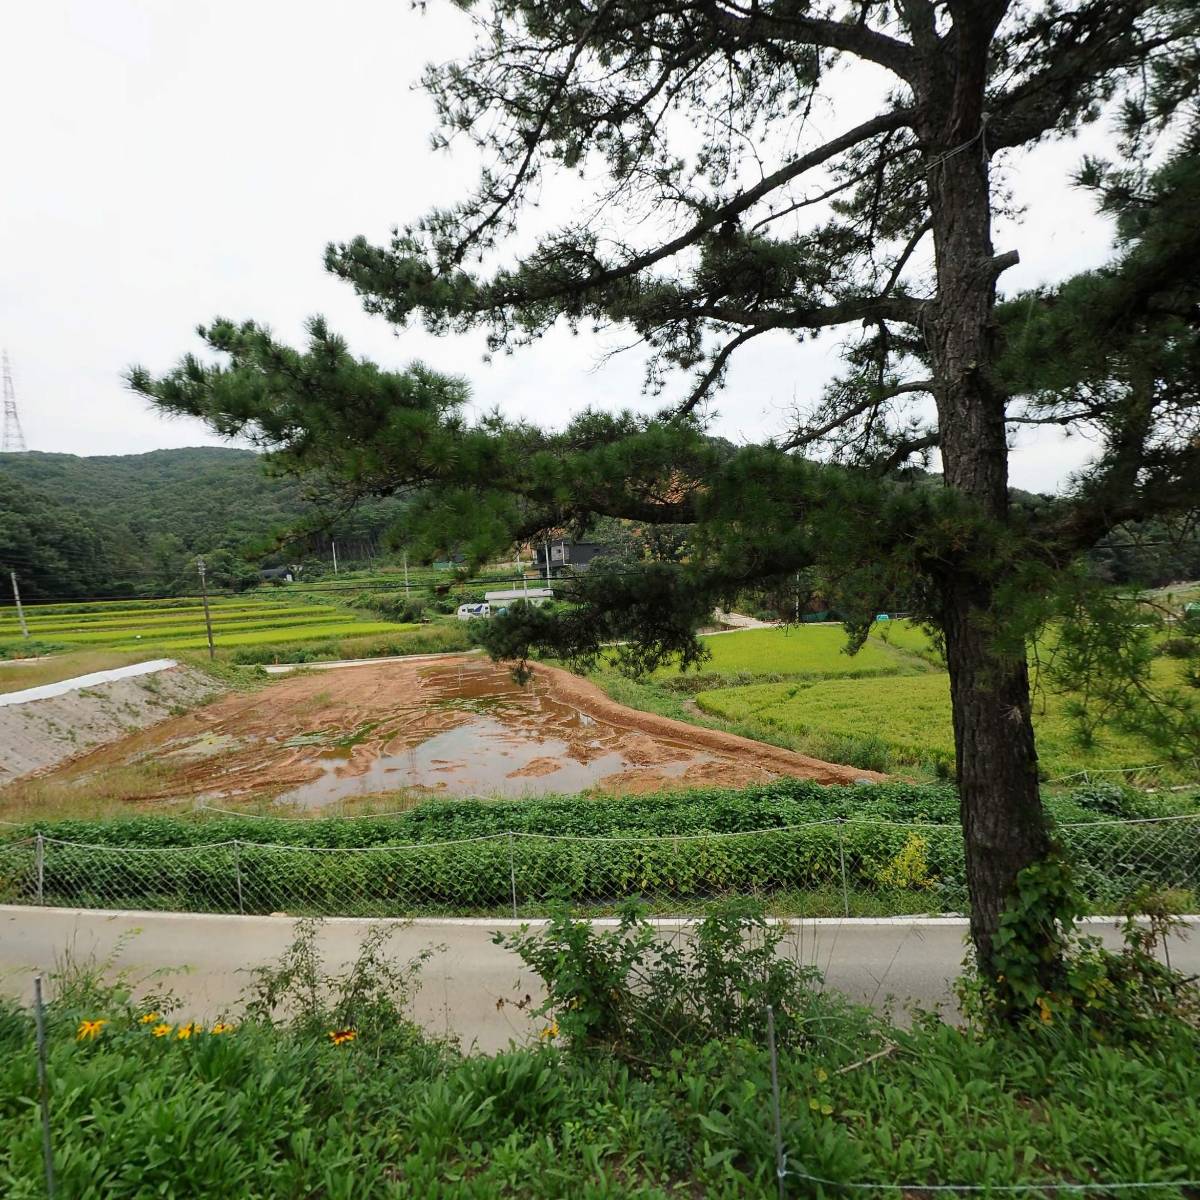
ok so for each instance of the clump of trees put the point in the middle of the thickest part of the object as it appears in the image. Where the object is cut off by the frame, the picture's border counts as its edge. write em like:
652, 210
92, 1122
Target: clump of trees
128, 525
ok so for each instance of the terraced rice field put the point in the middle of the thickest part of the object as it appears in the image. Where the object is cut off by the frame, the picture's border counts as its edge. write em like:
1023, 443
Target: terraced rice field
179, 624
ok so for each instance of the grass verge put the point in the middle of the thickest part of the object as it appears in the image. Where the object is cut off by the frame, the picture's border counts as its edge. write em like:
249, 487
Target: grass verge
320, 1084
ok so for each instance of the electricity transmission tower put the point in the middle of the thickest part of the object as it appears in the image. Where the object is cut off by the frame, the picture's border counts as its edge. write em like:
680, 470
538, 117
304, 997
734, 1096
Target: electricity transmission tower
13, 438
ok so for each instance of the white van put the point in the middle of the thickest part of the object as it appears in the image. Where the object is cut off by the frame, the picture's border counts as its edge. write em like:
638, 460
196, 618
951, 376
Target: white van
468, 612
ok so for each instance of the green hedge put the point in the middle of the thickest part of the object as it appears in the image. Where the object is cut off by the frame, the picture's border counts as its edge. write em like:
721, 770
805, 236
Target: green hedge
716, 810
900, 845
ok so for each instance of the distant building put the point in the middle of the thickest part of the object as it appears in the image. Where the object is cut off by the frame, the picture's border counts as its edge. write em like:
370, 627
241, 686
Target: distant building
495, 603
278, 574
566, 556
498, 602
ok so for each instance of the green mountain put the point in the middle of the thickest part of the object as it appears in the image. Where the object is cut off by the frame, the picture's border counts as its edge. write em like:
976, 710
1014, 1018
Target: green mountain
132, 524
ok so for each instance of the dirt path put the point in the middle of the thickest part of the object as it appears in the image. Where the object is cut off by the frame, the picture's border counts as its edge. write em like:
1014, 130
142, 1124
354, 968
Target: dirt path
458, 726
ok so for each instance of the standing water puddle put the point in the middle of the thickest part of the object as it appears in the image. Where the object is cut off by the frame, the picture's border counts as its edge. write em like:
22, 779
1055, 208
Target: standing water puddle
469, 729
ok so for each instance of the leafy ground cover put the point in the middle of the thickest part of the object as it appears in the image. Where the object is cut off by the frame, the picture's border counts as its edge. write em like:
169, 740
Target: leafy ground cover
344, 1097
803, 849
781, 803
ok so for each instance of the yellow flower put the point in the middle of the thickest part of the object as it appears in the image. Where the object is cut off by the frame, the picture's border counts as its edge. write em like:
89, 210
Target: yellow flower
1044, 1009
185, 1031
89, 1030
221, 1027
161, 1031
145, 1020
822, 1074
551, 1031
339, 1037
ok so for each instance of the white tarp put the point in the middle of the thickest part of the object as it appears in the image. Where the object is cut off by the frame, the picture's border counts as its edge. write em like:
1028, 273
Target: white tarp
63, 686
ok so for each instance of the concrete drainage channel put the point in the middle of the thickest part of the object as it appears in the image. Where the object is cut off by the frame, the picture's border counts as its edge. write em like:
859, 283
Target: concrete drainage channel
886, 961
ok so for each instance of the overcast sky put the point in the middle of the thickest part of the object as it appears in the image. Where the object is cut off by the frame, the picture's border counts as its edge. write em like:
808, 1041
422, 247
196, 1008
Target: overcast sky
165, 162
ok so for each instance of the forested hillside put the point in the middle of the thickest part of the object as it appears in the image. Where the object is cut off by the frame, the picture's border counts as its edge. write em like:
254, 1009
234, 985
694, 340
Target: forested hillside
133, 524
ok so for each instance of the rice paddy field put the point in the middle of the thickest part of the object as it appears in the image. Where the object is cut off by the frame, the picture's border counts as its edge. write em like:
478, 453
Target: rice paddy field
887, 708
170, 625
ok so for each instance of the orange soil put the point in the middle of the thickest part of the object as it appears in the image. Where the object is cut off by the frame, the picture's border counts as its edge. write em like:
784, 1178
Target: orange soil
362, 730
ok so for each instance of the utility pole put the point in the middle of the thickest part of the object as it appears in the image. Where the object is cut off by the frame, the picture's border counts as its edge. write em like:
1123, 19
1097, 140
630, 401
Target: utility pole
204, 596
546, 551
13, 438
406, 574
334, 544
17, 597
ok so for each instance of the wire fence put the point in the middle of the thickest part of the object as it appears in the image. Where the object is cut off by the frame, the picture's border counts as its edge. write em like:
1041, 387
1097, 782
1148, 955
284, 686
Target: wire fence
828, 868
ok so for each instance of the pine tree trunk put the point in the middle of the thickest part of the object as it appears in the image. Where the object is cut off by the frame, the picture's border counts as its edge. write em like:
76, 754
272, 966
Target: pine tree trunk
1003, 822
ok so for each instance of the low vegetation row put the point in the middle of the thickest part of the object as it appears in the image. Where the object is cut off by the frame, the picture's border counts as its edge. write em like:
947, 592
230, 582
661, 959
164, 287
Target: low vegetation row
868, 851
234, 624
780, 803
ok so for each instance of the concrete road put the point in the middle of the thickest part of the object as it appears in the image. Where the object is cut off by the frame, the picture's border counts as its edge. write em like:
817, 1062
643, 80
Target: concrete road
469, 984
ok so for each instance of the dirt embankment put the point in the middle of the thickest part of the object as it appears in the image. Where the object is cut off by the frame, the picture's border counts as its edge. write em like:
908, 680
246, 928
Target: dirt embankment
42, 733
588, 698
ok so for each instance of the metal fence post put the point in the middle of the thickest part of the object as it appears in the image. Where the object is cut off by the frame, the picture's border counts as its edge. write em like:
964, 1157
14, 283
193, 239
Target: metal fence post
237, 870
39, 1017
512, 871
842, 860
780, 1169
39, 862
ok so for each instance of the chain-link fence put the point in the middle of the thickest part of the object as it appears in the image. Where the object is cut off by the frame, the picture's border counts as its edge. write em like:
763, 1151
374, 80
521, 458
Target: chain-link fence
831, 868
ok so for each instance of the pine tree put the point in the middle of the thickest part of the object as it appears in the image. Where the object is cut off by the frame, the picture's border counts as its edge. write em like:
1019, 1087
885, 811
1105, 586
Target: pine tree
699, 114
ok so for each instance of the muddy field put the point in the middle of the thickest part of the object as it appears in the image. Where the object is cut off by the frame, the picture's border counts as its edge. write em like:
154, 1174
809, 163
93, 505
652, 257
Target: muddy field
452, 727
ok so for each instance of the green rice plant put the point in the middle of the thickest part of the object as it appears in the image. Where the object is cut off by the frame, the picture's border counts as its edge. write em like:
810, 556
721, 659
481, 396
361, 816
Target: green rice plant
911, 718
157, 635
817, 651
400, 640
910, 637
154, 618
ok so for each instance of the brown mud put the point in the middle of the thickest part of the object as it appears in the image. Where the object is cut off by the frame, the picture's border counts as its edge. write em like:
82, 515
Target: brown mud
454, 727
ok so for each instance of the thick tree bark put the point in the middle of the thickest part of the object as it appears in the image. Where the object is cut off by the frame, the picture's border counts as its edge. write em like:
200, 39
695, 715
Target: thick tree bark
1003, 822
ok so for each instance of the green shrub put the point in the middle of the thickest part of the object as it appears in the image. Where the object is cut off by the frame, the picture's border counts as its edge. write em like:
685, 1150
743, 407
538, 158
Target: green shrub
783, 841
1178, 647
634, 992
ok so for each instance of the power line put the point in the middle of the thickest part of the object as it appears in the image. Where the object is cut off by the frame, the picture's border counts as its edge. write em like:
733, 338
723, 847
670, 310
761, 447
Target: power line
13, 439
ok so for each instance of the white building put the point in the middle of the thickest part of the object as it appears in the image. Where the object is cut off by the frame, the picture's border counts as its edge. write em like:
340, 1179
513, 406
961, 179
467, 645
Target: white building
495, 603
